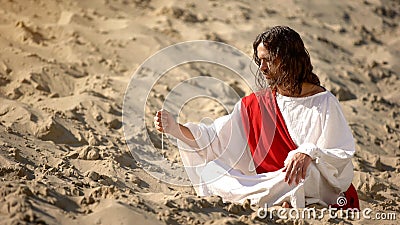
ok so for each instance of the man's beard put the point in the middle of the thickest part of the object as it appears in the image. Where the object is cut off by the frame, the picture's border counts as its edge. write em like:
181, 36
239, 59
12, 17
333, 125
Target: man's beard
272, 81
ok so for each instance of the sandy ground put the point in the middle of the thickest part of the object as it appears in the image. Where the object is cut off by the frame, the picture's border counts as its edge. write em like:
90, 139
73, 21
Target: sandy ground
65, 66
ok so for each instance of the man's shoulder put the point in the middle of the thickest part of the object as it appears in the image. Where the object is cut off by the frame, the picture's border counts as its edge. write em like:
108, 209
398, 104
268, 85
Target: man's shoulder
328, 97
255, 97
249, 99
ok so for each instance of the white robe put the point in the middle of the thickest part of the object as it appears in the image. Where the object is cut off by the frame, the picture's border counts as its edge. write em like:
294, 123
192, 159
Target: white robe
224, 166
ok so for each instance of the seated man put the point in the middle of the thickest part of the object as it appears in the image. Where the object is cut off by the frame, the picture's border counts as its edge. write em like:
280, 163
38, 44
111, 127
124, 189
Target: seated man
287, 144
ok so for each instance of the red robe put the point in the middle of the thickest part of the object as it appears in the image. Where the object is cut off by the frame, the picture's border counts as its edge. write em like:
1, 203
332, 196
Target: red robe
270, 147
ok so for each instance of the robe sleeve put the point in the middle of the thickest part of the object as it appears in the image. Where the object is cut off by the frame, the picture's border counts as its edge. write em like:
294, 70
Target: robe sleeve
331, 147
223, 140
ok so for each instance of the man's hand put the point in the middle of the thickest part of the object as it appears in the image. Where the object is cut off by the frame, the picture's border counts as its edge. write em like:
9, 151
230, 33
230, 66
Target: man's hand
297, 167
165, 122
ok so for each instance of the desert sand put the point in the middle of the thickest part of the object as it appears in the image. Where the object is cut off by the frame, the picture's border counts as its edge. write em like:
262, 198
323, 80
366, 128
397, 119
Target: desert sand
65, 67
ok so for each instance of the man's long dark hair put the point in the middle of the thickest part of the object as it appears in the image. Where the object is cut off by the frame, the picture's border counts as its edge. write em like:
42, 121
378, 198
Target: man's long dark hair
290, 63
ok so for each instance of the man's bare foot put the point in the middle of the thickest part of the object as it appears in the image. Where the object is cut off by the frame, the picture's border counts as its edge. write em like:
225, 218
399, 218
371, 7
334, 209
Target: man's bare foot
286, 205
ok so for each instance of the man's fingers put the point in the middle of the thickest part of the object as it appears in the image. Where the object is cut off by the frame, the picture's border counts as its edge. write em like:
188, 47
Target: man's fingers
296, 169
303, 172
156, 122
159, 128
288, 170
162, 120
299, 174
306, 165
293, 173
291, 177
162, 113
157, 119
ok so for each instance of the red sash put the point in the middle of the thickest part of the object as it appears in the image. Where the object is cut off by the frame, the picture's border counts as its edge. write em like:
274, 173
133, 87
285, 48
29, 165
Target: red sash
269, 139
